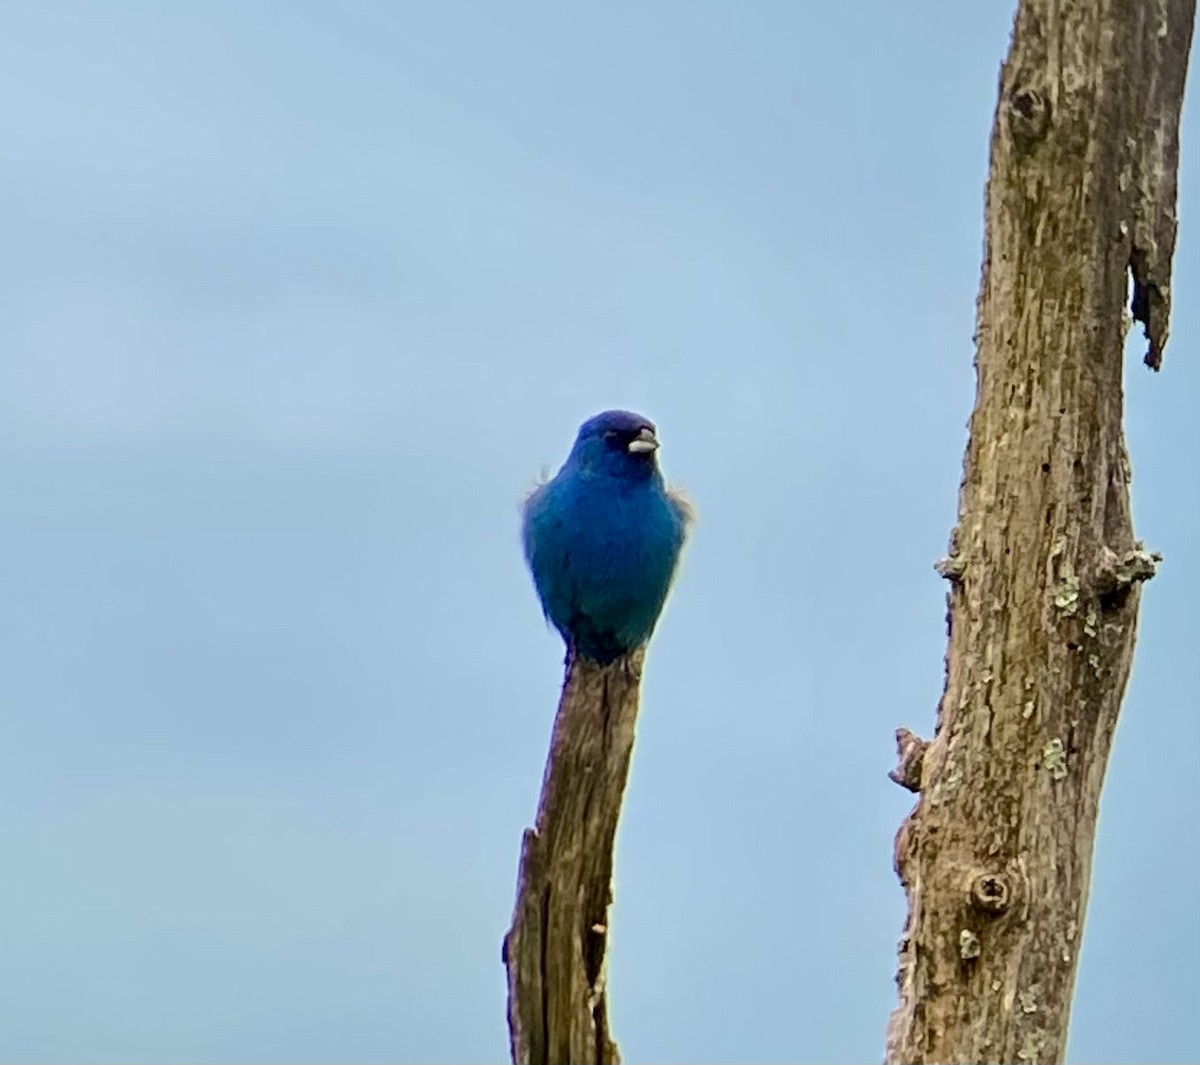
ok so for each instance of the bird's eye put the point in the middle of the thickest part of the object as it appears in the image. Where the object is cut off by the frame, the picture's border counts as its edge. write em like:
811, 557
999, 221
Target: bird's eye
611, 434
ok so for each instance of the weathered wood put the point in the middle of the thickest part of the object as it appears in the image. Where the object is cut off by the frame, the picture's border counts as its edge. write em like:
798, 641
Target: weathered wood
555, 950
1043, 567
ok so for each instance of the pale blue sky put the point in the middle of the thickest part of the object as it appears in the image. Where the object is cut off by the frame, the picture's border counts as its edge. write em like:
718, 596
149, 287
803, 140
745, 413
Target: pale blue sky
296, 300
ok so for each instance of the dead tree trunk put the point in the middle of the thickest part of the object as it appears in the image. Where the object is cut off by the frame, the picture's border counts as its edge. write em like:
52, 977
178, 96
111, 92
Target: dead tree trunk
555, 950
1043, 566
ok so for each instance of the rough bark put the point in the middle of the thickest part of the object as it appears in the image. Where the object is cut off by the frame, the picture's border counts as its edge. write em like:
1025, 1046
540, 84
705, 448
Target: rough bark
555, 950
1043, 566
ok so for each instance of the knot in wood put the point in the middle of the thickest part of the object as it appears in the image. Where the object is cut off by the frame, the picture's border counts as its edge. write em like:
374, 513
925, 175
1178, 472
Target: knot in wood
910, 756
1116, 574
990, 893
1028, 117
952, 568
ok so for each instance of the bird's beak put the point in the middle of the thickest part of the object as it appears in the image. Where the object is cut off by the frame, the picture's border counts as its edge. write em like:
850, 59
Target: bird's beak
645, 442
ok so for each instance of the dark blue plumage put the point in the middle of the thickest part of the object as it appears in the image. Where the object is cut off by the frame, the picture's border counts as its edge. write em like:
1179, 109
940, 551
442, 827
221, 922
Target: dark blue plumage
603, 538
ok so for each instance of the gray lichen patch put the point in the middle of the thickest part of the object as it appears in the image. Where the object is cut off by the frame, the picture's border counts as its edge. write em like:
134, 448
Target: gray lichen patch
1031, 1046
1089, 622
968, 945
1054, 758
1066, 595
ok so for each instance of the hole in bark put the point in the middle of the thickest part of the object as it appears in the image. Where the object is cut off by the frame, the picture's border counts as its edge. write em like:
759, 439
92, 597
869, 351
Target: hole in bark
1072, 645
1115, 599
594, 952
1045, 467
1139, 294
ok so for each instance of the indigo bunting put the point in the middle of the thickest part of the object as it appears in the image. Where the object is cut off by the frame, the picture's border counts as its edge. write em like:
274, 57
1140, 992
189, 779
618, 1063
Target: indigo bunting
603, 537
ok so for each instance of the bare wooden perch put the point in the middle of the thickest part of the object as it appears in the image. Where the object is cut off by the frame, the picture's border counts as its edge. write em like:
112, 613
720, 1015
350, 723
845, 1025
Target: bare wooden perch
1044, 570
555, 950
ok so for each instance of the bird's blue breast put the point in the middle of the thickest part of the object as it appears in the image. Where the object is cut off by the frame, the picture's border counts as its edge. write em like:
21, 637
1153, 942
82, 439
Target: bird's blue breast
602, 550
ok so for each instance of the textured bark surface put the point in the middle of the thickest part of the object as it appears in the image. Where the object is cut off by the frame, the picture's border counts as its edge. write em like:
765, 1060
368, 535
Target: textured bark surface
1043, 566
555, 950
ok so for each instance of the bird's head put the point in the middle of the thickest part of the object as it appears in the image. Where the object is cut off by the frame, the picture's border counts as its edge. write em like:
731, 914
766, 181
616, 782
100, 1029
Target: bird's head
617, 442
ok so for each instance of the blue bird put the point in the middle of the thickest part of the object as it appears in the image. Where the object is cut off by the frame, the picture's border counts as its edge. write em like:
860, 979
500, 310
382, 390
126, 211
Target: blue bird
603, 537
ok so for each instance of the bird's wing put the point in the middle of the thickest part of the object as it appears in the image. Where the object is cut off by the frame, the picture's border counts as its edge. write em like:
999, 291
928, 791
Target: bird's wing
683, 507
